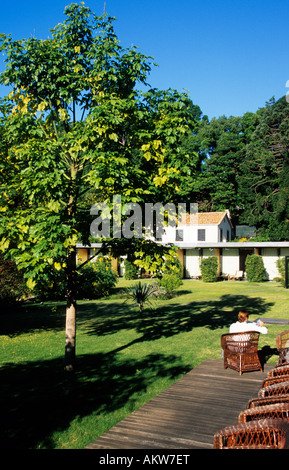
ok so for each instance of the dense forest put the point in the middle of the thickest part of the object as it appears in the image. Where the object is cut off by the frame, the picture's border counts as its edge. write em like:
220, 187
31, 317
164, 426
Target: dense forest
242, 164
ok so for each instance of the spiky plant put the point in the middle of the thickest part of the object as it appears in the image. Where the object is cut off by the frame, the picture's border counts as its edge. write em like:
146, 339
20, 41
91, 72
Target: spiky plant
140, 294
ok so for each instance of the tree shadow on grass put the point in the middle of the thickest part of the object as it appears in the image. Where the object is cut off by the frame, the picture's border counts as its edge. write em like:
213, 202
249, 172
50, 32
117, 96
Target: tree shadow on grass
31, 317
105, 318
172, 319
38, 398
169, 320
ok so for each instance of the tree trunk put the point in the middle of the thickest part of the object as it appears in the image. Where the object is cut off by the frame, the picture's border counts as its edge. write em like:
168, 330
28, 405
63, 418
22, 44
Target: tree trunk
70, 329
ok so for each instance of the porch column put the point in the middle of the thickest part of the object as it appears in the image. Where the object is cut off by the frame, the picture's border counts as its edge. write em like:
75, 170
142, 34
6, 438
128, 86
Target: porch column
180, 254
114, 265
82, 254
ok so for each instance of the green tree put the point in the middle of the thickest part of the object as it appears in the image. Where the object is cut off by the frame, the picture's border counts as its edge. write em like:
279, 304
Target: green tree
12, 284
264, 179
174, 123
223, 143
74, 130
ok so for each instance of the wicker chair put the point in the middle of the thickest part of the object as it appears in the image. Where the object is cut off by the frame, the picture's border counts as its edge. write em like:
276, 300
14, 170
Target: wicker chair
278, 371
280, 388
276, 411
270, 400
260, 434
282, 343
241, 351
274, 380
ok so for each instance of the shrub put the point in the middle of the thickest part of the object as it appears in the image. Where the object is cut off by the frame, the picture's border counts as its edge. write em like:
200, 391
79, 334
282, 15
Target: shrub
12, 284
281, 268
159, 291
131, 270
172, 266
96, 279
255, 269
170, 282
51, 285
209, 269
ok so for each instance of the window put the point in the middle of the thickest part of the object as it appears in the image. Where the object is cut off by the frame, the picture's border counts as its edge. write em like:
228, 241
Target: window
201, 235
221, 235
179, 235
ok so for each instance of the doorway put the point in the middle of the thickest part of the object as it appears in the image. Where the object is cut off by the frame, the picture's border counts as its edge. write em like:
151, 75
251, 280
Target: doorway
243, 253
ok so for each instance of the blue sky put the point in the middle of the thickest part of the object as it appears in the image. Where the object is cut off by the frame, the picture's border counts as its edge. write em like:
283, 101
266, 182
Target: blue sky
231, 56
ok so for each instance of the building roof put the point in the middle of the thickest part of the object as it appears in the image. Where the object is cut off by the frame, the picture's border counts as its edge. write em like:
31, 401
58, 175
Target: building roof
248, 244
204, 218
188, 245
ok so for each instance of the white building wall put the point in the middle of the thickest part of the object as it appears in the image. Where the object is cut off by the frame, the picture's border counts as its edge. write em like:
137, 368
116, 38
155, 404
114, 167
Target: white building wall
192, 257
270, 256
230, 261
169, 235
212, 233
190, 233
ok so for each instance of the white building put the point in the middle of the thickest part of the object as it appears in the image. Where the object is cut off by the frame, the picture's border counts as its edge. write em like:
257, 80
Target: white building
202, 227
210, 234
231, 256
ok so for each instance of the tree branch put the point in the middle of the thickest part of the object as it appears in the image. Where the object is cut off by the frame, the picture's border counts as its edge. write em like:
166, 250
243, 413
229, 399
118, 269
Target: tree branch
88, 260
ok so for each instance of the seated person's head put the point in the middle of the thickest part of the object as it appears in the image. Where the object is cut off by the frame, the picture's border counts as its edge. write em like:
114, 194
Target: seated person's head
243, 316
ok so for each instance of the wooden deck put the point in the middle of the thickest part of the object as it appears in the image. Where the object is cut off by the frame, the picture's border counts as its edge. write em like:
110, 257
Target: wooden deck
188, 413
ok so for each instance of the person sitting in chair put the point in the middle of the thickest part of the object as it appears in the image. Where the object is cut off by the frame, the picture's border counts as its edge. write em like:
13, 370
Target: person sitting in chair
243, 324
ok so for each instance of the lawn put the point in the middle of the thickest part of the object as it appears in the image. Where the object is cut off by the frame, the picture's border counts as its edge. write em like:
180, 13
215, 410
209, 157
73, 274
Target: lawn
122, 360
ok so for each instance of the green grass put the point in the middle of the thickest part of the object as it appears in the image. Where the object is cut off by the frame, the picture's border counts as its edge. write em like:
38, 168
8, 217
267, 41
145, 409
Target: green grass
122, 360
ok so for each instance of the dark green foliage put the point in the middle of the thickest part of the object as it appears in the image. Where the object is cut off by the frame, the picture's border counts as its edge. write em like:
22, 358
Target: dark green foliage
224, 141
209, 269
51, 285
131, 270
12, 284
94, 280
255, 268
246, 168
264, 179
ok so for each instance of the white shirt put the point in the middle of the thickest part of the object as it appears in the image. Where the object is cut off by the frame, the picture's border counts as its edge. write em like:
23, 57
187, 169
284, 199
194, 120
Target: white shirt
239, 327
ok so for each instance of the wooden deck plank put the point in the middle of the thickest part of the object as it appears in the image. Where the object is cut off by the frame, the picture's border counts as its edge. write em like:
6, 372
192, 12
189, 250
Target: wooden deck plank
187, 414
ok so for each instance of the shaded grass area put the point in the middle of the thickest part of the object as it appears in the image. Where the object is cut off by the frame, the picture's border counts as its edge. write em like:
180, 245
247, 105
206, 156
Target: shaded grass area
122, 360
